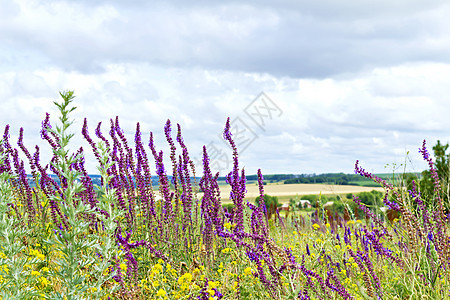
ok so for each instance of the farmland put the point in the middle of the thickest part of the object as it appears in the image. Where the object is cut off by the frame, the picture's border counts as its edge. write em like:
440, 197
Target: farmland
286, 190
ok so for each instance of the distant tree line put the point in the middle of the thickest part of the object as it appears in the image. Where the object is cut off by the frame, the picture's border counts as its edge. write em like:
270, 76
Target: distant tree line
332, 178
269, 177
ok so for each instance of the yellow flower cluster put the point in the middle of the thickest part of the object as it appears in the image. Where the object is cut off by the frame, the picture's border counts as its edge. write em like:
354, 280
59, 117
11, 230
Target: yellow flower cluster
248, 271
162, 293
210, 290
351, 262
35, 252
123, 267
226, 250
43, 281
3, 268
184, 281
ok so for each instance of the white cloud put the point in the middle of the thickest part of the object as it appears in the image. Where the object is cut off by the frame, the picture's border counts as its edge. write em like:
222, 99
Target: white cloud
328, 119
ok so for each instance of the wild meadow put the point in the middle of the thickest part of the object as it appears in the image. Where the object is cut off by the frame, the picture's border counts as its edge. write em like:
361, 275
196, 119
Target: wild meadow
69, 239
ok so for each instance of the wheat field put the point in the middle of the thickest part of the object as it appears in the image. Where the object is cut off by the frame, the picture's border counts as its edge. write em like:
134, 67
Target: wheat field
298, 189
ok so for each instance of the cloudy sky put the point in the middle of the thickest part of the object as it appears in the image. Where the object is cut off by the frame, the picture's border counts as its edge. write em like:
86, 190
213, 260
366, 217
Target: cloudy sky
310, 86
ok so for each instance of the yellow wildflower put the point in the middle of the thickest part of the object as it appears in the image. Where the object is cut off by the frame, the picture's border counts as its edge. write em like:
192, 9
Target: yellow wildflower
123, 267
186, 277
161, 293
44, 282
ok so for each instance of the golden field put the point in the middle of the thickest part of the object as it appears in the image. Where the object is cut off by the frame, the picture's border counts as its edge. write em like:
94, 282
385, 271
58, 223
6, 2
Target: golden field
283, 190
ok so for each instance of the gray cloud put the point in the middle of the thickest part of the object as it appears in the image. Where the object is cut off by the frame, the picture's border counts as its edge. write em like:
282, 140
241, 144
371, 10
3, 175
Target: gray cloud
301, 39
